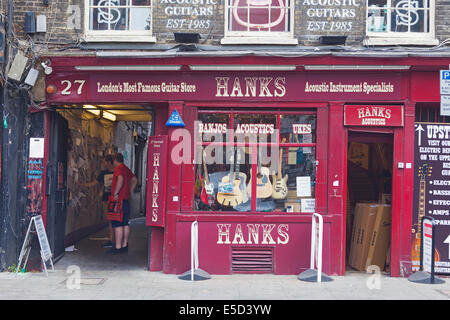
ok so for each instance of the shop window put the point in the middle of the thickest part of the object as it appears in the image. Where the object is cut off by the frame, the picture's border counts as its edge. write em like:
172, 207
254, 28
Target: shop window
400, 22
267, 163
118, 20
259, 22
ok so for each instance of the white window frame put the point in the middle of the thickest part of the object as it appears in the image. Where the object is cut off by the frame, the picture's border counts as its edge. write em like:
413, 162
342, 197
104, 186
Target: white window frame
259, 37
116, 35
401, 38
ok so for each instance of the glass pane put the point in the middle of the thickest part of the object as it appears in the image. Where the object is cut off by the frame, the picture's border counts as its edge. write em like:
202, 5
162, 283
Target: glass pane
222, 185
255, 128
140, 19
99, 19
258, 15
213, 127
120, 18
377, 20
298, 128
406, 16
142, 3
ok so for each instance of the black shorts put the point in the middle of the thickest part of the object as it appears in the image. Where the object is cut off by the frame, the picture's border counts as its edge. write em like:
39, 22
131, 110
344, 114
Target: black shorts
126, 215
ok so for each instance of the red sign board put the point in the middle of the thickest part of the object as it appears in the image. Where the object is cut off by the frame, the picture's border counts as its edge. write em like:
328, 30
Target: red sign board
156, 181
95, 87
373, 115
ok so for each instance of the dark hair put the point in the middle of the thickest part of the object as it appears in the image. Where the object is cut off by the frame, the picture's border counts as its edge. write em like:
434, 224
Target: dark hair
109, 158
118, 157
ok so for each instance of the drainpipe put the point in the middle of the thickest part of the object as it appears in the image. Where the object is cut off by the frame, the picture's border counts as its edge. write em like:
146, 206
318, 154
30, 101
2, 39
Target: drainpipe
4, 162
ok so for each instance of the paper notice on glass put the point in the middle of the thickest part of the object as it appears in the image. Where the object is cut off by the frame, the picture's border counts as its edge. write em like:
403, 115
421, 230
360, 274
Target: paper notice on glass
308, 205
304, 186
36, 148
307, 138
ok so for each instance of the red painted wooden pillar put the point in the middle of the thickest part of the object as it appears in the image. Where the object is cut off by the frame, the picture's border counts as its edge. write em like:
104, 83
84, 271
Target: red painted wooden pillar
336, 196
157, 233
405, 266
173, 195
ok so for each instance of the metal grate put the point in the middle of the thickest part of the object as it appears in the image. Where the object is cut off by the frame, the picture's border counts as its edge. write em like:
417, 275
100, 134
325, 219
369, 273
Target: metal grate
252, 260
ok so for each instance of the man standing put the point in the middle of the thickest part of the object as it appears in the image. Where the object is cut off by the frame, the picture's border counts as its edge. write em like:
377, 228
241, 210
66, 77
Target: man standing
123, 183
105, 179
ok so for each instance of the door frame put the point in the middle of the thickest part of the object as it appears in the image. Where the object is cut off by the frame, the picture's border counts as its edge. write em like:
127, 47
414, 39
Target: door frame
397, 186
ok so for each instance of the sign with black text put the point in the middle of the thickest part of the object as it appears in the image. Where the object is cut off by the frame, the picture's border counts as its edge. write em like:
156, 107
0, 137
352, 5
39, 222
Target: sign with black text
432, 191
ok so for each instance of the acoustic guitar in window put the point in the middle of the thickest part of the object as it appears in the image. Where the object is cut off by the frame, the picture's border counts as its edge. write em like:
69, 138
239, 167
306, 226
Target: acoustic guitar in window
424, 172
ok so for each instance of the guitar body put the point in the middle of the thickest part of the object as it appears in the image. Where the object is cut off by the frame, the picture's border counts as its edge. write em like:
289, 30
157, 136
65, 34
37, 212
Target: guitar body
233, 198
243, 186
280, 189
415, 251
263, 185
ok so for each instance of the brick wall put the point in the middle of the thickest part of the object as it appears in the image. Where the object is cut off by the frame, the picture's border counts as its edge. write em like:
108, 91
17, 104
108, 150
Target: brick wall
313, 18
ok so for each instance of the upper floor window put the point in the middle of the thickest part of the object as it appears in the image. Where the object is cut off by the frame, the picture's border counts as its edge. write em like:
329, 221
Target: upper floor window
403, 21
119, 20
259, 22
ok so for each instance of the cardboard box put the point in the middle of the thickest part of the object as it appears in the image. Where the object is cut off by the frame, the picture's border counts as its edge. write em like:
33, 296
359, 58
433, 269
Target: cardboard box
364, 228
380, 238
355, 231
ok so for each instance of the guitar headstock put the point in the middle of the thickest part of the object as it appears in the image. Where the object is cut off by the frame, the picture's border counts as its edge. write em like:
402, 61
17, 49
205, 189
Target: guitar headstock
425, 171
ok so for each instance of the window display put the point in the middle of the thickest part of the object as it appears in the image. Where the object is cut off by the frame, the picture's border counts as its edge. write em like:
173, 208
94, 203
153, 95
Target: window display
266, 163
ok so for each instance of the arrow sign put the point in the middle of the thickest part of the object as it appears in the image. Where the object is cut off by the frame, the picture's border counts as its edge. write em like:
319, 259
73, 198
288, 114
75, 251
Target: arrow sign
448, 242
419, 137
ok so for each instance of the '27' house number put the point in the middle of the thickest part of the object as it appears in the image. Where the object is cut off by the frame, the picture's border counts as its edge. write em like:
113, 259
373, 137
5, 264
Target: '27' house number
78, 85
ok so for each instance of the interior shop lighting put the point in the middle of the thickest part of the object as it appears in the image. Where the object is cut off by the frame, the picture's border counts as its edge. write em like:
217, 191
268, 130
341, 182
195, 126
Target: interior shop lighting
130, 68
242, 67
109, 116
92, 109
356, 67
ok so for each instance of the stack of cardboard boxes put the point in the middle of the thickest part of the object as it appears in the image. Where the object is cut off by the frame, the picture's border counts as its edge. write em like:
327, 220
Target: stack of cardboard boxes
370, 237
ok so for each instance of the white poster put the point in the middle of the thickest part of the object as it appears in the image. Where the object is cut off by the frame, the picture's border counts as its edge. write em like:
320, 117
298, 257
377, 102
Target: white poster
36, 148
308, 205
304, 186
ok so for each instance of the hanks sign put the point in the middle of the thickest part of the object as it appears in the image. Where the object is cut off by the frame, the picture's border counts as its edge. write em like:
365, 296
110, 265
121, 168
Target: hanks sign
377, 116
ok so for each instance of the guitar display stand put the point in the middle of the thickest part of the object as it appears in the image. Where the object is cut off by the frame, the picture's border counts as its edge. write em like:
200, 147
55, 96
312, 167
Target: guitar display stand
423, 276
195, 273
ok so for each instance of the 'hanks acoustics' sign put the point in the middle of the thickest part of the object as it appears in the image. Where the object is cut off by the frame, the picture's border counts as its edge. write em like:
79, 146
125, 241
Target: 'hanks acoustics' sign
363, 115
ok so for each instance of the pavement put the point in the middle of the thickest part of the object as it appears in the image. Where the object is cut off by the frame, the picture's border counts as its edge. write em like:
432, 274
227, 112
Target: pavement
89, 273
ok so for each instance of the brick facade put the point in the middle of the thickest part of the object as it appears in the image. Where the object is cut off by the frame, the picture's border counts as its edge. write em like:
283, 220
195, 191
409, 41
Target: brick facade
313, 18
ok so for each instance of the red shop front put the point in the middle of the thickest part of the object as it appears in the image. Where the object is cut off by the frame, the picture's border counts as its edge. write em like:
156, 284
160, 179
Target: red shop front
237, 126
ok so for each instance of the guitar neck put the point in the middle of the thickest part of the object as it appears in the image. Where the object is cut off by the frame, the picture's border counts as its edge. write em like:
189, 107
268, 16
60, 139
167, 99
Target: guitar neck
205, 169
279, 164
421, 211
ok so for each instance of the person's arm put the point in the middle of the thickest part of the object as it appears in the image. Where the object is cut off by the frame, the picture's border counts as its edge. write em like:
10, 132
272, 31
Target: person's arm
133, 183
89, 184
119, 185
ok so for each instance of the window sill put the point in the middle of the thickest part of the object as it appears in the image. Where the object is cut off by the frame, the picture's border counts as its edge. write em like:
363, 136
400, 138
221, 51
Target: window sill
121, 38
383, 41
259, 40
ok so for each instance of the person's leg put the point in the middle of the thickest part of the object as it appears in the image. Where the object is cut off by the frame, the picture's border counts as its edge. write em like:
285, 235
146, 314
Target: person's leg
126, 235
111, 232
118, 232
126, 226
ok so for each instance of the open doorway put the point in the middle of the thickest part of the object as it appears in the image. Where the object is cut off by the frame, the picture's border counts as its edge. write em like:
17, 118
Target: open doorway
369, 199
77, 193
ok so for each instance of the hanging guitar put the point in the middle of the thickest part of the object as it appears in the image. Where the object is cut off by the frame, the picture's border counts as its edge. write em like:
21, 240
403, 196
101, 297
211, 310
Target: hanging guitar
207, 193
424, 172
242, 177
263, 185
280, 189
259, 4
229, 193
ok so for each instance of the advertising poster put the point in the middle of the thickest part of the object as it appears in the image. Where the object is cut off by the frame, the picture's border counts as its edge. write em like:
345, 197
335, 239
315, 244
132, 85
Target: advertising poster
432, 190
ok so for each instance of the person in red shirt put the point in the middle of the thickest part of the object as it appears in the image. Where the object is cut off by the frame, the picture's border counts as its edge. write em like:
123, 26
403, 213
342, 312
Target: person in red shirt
123, 183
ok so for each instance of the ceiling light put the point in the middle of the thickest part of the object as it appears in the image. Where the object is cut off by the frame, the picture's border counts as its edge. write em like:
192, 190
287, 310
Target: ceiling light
92, 109
109, 116
356, 67
242, 67
129, 68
